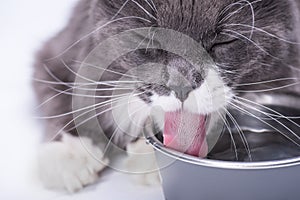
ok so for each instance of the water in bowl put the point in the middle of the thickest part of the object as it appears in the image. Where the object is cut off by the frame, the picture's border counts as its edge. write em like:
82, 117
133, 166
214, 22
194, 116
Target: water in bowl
262, 135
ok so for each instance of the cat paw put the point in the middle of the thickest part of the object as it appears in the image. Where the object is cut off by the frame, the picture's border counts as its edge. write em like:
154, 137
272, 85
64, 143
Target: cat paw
70, 164
141, 163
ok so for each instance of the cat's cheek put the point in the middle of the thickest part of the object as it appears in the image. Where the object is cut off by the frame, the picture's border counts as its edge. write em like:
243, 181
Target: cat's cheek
210, 97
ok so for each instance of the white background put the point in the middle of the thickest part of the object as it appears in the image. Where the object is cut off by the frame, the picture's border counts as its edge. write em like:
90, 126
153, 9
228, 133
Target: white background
25, 25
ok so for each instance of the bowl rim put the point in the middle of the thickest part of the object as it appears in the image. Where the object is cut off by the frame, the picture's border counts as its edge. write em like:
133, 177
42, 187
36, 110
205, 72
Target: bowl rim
266, 99
219, 163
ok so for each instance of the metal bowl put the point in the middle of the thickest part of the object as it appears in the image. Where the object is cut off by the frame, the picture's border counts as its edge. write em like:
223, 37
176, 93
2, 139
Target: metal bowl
268, 174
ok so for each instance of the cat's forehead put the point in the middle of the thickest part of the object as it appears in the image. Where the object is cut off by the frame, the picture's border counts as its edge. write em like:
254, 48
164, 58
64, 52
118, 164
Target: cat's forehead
200, 7
200, 19
190, 16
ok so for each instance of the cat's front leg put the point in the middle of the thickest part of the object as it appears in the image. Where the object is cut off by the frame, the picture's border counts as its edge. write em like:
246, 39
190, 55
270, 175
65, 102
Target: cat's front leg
141, 163
71, 163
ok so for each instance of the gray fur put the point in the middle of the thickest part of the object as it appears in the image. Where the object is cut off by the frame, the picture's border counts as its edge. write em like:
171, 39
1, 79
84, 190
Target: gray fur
197, 18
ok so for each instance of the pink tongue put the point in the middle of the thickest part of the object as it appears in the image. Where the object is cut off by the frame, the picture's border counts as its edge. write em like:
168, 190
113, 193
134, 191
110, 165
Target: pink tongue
185, 132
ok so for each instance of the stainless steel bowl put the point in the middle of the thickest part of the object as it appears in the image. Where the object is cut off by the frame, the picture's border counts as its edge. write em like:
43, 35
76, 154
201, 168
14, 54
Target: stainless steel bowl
270, 175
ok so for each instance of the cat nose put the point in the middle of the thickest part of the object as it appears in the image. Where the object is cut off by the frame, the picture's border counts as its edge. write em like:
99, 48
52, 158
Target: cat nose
181, 93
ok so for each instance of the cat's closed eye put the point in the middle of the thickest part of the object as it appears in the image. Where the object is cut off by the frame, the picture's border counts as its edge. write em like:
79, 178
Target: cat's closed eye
223, 43
230, 50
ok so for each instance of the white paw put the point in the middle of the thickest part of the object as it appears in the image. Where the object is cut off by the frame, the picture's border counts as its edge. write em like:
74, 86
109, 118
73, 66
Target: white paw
141, 163
70, 164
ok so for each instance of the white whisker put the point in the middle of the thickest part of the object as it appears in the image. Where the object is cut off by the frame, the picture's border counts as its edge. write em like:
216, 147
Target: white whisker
151, 40
89, 96
150, 5
294, 68
283, 125
155, 8
121, 8
278, 114
145, 10
94, 31
268, 90
105, 69
145, 38
265, 82
75, 73
104, 89
54, 82
242, 6
249, 40
93, 81
69, 84
102, 104
227, 71
51, 98
253, 19
263, 31
251, 114
116, 129
241, 134
80, 115
55, 77
79, 87
98, 114
228, 8
230, 133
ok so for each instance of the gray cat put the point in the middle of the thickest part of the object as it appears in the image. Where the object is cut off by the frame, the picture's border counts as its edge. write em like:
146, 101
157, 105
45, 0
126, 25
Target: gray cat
245, 46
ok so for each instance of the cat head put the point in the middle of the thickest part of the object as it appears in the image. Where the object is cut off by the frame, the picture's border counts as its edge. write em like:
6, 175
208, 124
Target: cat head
247, 41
